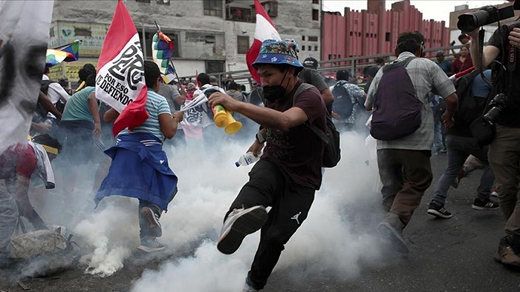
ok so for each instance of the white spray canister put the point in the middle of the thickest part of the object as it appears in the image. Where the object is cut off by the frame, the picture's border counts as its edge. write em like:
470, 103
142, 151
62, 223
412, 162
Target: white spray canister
247, 159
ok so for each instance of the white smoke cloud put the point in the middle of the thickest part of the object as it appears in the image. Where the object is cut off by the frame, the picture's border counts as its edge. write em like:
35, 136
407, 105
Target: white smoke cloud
334, 237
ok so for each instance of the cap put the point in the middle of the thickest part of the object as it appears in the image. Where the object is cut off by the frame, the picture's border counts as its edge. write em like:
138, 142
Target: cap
310, 62
439, 54
275, 52
190, 86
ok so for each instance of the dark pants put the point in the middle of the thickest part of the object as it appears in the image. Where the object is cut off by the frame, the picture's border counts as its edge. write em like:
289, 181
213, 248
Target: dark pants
269, 186
504, 157
144, 231
406, 175
459, 149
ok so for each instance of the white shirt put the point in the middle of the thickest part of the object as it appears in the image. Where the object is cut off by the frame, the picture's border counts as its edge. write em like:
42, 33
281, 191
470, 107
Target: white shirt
56, 92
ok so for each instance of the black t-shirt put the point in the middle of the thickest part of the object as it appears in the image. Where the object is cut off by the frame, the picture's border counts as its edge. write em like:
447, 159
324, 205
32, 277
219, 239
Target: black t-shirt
510, 116
299, 151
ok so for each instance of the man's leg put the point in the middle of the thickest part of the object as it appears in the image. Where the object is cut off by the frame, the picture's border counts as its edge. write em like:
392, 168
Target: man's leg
247, 213
504, 158
456, 158
289, 211
417, 179
486, 180
390, 171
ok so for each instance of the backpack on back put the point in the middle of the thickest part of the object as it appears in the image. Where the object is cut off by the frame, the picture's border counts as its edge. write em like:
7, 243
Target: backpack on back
397, 110
331, 152
343, 104
469, 108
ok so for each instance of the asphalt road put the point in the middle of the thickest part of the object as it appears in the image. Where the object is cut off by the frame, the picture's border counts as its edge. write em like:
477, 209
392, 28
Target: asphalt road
445, 255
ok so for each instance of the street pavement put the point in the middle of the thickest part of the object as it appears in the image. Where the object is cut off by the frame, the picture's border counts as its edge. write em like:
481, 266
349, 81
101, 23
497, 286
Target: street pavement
445, 255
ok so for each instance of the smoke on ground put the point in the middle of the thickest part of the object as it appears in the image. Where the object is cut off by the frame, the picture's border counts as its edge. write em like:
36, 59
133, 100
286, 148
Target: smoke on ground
337, 237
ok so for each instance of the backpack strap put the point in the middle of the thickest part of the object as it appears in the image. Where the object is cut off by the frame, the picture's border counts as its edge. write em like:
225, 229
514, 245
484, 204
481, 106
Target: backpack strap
316, 130
403, 63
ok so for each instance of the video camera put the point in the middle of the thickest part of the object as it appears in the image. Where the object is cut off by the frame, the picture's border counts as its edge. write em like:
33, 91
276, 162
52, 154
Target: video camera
497, 104
485, 15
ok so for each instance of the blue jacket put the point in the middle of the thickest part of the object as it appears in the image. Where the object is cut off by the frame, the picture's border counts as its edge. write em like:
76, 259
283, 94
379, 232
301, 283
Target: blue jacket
140, 170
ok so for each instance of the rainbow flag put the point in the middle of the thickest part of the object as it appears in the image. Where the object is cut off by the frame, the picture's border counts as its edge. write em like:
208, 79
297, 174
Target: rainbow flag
67, 53
162, 51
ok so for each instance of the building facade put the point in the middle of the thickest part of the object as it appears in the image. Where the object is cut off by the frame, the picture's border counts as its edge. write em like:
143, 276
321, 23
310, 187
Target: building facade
375, 30
209, 35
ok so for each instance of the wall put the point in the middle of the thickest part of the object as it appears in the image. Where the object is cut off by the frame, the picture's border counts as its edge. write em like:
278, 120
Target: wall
186, 19
370, 33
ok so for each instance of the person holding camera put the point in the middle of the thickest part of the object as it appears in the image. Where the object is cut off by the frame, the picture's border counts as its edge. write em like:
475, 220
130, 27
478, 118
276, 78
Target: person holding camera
504, 113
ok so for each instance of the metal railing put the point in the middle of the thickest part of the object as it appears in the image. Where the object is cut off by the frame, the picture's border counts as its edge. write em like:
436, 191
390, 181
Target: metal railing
352, 64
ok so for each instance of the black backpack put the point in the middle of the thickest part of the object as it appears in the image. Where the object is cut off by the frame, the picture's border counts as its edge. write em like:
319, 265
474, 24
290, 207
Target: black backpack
397, 110
469, 108
332, 151
343, 104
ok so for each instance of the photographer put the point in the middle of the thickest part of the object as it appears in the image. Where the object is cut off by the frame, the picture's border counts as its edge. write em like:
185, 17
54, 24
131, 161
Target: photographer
504, 151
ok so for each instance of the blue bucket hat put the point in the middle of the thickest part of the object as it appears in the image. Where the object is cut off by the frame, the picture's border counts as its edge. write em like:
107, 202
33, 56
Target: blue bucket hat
275, 52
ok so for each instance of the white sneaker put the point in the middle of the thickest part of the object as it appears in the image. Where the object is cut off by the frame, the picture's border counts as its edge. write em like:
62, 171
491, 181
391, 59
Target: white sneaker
238, 224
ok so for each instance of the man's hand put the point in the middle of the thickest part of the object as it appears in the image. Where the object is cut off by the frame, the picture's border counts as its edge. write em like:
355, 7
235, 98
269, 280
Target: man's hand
514, 37
335, 116
256, 148
97, 130
474, 34
447, 120
223, 99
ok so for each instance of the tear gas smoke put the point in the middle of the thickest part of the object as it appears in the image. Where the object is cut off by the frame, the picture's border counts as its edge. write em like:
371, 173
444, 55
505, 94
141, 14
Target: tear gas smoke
334, 238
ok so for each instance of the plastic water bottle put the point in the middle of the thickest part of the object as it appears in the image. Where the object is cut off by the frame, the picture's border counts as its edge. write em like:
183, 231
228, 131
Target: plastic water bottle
246, 159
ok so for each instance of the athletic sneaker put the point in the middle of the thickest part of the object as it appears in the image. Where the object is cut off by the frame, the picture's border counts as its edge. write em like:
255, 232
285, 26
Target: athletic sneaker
152, 222
437, 210
238, 224
481, 205
494, 193
395, 235
150, 244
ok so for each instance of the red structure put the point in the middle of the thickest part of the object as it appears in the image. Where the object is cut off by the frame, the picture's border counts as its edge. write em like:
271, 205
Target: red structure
375, 30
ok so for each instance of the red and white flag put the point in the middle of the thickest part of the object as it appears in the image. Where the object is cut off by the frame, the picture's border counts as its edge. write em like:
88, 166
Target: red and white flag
265, 30
120, 80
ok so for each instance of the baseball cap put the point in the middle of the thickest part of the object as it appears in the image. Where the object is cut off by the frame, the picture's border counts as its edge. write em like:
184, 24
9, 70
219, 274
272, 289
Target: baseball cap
310, 62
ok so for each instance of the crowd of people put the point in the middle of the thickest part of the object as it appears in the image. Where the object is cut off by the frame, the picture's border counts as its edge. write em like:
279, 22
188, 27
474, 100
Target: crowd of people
430, 112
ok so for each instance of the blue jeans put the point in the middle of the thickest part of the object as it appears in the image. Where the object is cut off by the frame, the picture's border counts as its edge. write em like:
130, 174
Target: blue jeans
459, 149
438, 144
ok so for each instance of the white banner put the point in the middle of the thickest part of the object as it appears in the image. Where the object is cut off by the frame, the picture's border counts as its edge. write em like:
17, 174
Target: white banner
24, 33
120, 81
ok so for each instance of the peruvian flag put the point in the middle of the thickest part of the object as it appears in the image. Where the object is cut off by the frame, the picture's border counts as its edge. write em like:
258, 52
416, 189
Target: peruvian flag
265, 30
120, 80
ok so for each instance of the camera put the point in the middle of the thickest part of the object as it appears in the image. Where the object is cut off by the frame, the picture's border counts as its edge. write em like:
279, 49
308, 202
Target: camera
498, 103
485, 15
